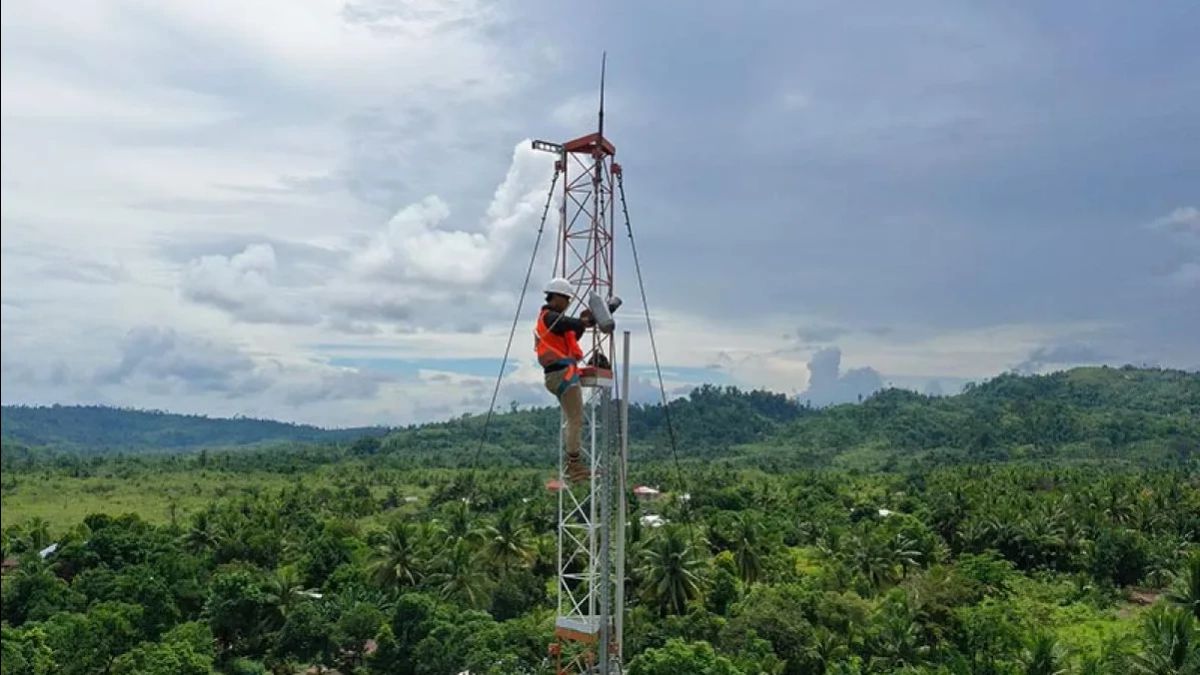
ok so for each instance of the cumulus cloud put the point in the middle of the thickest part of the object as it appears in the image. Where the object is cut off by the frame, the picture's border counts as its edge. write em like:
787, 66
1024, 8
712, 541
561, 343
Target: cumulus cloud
327, 384
1063, 354
242, 285
420, 271
163, 357
163, 360
327, 166
419, 246
827, 383
1183, 226
1184, 220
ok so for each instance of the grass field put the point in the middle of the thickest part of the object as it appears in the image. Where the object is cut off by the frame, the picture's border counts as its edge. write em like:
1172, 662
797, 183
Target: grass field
157, 496
64, 501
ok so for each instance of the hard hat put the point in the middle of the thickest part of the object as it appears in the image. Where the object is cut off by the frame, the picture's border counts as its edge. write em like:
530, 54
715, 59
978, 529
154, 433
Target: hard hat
560, 286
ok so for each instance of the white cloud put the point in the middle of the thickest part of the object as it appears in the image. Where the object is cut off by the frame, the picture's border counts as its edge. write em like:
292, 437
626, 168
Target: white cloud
1183, 220
131, 128
1183, 226
828, 383
417, 246
165, 361
1188, 275
420, 272
242, 285
256, 179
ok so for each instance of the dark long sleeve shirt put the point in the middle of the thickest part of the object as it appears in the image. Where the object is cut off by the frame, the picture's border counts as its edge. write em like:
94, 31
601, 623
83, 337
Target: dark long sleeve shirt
559, 324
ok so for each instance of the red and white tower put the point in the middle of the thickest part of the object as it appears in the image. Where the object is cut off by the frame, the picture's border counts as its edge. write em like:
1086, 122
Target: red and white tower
591, 517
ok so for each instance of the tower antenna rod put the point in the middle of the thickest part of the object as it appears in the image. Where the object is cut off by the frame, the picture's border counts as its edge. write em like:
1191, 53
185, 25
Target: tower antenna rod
603, 64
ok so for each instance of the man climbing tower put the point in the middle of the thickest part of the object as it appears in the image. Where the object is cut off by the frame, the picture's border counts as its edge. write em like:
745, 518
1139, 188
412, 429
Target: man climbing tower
556, 341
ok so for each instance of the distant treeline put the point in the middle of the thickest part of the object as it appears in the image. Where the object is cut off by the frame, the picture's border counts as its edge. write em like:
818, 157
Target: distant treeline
96, 429
1145, 415
1148, 416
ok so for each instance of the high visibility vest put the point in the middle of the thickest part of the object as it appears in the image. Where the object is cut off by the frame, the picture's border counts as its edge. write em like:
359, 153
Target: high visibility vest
554, 349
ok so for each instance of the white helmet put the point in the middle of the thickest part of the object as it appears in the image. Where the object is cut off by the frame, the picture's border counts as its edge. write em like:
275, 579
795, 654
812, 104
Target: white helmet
560, 286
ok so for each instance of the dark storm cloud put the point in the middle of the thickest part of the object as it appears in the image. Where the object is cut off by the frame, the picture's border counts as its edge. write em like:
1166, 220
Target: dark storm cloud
935, 164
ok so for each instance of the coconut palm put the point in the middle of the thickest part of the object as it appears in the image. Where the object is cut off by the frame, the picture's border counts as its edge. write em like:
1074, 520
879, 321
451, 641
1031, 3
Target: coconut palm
459, 576
459, 522
507, 542
669, 571
905, 554
202, 535
396, 560
826, 649
872, 558
748, 548
1186, 592
897, 643
1043, 656
283, 590
1169, 644
37, 529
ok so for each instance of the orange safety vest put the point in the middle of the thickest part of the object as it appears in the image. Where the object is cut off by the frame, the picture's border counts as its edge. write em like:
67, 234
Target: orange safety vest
553, 349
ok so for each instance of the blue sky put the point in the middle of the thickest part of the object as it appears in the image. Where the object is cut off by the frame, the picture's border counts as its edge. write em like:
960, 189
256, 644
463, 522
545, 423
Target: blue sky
321, 211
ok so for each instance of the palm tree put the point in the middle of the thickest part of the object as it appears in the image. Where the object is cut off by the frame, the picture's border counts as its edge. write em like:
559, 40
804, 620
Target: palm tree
1043, 656
545, 555
396, 560
202, 535
669, 571
283, 589
826, 649
1169, 644
507, 542
872, 559
459, 576
38, 531
1040, 539
904, 553
459, 523
973, 535
1186, 592
898, 641
748, 549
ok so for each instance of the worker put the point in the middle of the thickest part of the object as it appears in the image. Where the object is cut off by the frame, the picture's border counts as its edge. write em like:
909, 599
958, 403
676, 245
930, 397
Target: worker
556, 341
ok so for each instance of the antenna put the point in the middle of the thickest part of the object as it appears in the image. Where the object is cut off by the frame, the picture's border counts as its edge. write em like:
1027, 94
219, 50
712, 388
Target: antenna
603, 66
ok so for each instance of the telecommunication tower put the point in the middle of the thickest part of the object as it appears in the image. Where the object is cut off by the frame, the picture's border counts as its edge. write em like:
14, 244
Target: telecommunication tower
591, 517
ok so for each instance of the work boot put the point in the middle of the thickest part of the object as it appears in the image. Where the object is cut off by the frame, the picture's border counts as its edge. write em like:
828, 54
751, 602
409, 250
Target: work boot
577, 472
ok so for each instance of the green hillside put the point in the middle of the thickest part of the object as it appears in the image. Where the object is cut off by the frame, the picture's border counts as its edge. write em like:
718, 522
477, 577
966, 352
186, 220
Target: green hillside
1142, 414
1032, 524
97, 429
1126, 413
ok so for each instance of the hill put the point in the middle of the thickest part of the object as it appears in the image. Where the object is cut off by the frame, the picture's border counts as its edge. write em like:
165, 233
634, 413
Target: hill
1083, 413
99, 429
1130, 413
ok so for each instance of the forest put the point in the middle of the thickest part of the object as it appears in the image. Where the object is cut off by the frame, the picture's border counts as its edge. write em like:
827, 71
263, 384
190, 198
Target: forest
97, 429
1030, 525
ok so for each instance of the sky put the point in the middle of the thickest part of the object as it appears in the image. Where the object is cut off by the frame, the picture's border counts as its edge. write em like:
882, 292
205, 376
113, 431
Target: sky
321, 211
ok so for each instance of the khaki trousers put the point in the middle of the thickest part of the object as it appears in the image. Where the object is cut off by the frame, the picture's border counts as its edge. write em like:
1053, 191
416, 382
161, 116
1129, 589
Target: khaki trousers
571, 402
